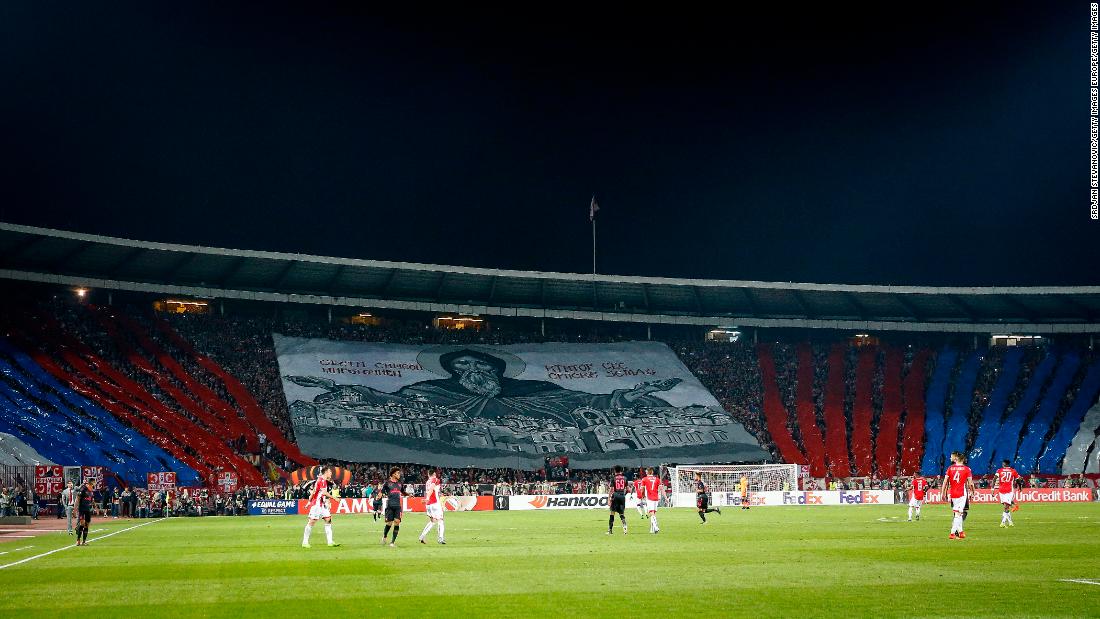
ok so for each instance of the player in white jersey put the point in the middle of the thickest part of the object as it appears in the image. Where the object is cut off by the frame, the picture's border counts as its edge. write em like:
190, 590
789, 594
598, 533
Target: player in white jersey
433, 506
318, 507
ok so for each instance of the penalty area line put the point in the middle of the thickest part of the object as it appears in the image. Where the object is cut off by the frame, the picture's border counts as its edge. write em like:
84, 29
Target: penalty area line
1082, 581
94, 539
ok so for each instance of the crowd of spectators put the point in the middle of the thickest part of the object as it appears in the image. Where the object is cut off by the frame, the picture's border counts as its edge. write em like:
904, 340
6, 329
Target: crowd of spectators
245, 348
17, 500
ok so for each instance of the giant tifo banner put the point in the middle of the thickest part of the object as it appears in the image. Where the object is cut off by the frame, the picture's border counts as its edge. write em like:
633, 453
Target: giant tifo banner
1025, 495
630, 403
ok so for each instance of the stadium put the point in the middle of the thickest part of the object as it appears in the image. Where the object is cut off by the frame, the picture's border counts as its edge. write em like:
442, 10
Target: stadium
194, 428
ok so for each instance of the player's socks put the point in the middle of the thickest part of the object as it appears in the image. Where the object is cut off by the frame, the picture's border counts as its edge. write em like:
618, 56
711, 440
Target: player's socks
386, 532
427, 529
910, 513
702, 517
396, 528
918, 513
328, 533
441, 539
305, 536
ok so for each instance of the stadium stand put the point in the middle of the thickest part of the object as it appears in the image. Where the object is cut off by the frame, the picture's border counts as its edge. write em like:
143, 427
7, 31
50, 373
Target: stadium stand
990, 421
1008, 437
958, 423
1038, 427
934, 412
1058, 445
199, 395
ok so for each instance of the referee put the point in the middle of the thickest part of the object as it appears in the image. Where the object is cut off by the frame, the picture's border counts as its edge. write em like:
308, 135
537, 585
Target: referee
85, 501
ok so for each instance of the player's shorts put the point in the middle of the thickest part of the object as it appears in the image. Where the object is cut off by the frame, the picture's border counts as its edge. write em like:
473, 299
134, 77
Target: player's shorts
435, 510
650, 506
376, 506
701, 501
1008, 497
915, 502
393, 513
617, 503
84, 516
958, 504
317, 512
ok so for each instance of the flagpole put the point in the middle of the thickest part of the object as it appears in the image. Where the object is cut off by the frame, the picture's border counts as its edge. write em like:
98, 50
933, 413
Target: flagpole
592, 208
593, 245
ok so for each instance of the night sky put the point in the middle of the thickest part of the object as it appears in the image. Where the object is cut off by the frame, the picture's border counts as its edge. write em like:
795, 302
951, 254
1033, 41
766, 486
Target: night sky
911, 143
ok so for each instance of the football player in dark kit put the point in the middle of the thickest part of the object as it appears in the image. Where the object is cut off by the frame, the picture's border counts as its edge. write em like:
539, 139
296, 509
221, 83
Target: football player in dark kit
84, 501
376, 503
702, 499
616, 499
393, 491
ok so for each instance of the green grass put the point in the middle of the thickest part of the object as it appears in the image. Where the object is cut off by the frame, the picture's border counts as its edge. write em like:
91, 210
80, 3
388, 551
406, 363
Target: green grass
774, 562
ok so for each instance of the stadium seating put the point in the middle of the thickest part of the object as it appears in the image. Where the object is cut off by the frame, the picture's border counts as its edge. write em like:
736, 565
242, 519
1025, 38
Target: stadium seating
836, 435
198, 396
862, 413
65, 427
1008, 437
934, 420
958, 423
915, 413
1072, 422
774, 411
981, 451
1039, 426
812, 440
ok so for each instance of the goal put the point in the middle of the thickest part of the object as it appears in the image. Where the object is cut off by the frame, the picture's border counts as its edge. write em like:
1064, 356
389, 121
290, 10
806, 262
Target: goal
724, 480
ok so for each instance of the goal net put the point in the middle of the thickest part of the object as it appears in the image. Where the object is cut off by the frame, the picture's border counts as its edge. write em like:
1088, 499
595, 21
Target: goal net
724, 481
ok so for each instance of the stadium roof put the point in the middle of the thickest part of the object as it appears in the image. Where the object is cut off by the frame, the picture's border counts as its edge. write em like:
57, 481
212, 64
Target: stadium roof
75, 259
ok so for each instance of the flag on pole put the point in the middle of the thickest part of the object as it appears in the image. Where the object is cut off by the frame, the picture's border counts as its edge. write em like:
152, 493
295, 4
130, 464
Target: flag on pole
592, 208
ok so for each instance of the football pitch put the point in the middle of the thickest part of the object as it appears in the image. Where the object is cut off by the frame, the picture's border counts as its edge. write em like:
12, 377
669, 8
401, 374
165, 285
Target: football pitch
772, 562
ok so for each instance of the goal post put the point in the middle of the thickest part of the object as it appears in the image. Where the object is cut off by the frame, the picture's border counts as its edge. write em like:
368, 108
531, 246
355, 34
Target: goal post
724, 481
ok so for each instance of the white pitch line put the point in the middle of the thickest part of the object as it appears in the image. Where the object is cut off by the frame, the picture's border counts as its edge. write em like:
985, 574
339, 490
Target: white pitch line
1082, 581
50, 552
